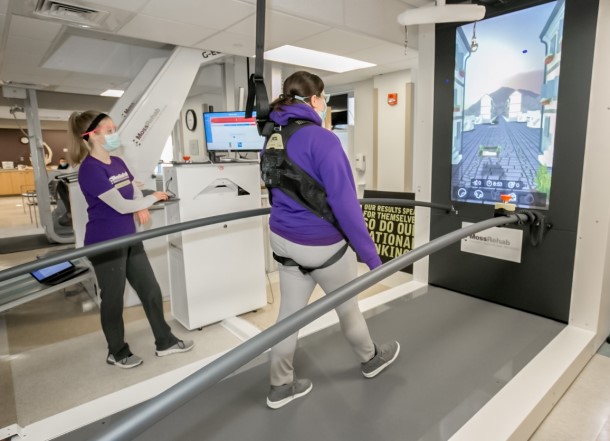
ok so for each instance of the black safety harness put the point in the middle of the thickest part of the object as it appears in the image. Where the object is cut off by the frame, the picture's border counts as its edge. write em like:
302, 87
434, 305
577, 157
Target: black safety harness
277, 170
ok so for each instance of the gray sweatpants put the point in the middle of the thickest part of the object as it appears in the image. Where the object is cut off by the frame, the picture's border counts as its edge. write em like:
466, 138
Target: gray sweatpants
296, 289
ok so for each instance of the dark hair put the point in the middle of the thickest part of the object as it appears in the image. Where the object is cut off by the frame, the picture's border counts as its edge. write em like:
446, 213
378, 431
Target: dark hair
300, 83
78, 124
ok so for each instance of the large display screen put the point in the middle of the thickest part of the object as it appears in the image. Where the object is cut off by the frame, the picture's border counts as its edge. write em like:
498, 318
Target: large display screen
506, 83
231, 131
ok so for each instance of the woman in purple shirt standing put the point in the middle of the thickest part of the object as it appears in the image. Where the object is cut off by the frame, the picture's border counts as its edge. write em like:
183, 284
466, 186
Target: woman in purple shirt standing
310, 241
113, 200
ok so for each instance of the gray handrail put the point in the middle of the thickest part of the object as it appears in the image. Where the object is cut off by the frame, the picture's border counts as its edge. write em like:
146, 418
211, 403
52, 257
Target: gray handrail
91, 250
134, 421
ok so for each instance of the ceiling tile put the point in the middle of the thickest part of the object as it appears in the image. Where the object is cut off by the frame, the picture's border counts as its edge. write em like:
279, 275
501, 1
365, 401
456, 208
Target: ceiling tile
3, 6
131, 5
98, 82
321, 11
166, 31
383, 53
3, 24
33, 75
34, 29
205, 13
280, 29
376, 18
19, 48
78, 53
338, 42
229, 43
417, 3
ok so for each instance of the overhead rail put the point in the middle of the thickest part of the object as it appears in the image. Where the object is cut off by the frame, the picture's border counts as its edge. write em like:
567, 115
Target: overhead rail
136, 420
91, 250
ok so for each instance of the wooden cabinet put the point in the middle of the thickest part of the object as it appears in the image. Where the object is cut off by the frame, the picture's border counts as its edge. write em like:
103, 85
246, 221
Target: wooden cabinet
6, 185
14, 182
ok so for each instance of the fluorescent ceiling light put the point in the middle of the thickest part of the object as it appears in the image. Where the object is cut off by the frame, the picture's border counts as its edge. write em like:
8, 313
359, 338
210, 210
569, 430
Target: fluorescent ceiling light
314, 59
113, 92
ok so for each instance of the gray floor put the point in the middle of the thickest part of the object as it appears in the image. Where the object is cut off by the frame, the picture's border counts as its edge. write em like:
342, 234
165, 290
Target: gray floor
457, 352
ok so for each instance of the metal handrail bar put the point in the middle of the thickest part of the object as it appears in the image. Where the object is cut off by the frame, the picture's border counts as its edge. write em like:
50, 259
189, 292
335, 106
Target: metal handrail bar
91, 250
134, 421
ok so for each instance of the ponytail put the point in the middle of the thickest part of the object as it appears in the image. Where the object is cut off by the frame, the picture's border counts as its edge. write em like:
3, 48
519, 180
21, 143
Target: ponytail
78, 148
300, 83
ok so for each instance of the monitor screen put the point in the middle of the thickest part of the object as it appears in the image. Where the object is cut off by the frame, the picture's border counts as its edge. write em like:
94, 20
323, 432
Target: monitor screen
506, 82
226, 131
44, 273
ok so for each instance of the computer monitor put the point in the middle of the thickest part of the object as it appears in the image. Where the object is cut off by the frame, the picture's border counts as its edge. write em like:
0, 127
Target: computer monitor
231, 131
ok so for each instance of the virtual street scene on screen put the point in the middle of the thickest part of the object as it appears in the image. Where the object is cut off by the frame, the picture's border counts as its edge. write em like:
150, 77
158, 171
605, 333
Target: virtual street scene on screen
505, 106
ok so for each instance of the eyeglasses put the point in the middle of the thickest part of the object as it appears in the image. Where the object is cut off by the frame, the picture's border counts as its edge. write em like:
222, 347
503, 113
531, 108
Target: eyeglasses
108, 128
324, 96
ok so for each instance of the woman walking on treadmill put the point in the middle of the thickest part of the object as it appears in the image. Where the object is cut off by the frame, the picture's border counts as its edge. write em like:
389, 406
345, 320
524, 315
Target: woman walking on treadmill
113, 199
300, 236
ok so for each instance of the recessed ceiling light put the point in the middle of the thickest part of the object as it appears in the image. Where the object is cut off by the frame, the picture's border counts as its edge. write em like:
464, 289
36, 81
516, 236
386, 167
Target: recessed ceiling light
113, 92
314, 59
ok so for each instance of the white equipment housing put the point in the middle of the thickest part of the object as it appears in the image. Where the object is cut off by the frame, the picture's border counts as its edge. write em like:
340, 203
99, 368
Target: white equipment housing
217, 271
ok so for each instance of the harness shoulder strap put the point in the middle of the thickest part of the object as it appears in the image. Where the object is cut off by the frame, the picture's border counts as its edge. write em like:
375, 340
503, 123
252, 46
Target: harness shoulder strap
279, 171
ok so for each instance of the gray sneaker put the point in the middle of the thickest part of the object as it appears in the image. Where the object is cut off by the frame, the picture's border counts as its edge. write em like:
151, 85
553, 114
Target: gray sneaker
281, 395
384, 356
181, 346
125, 363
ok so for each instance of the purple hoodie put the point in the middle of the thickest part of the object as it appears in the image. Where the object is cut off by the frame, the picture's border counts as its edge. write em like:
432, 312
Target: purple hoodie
319, 152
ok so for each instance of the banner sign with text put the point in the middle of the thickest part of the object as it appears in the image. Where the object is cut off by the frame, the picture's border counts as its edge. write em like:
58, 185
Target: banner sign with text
496, 242
391, 227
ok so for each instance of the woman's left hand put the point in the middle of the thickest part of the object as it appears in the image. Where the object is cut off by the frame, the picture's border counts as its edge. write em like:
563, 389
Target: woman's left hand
143, 216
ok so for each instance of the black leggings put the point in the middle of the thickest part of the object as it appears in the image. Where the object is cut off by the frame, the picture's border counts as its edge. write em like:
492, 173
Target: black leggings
112, 268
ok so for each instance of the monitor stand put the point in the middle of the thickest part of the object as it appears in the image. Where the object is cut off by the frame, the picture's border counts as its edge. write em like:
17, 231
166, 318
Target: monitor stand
217, 158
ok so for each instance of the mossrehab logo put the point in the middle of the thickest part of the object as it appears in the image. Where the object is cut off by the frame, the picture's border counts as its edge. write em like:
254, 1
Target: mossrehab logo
147, 124
490, 240
117, 178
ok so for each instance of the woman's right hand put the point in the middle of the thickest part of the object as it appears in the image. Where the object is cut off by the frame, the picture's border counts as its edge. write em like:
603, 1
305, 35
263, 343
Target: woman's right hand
161, 195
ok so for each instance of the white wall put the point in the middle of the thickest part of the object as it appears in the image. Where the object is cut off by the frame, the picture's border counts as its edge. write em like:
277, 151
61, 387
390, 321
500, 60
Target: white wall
423, 125
391, 130
363, 130
193, 143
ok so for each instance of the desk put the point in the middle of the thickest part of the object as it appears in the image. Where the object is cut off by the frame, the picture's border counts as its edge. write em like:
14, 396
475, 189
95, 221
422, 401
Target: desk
25, 288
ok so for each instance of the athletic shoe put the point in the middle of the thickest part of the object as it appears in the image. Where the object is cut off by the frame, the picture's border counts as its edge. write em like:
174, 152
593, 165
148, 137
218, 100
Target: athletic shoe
125, 363
181, 346
384, 356
281, 395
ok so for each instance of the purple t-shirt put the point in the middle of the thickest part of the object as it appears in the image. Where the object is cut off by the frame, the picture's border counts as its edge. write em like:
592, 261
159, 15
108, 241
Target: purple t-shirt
319, 153
96, 178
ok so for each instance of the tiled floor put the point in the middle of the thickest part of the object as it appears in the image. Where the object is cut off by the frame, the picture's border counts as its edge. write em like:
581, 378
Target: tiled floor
65, 326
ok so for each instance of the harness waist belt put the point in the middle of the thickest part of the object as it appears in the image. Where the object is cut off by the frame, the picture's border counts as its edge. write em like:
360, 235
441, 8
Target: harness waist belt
287, 261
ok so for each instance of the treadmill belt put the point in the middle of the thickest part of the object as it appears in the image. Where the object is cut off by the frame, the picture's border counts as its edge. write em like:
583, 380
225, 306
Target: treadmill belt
457, 352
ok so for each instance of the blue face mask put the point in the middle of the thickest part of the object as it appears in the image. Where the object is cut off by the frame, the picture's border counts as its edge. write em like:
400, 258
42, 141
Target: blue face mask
113, 142
321, 113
